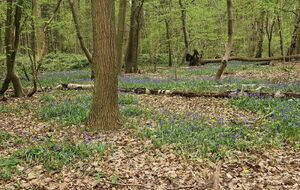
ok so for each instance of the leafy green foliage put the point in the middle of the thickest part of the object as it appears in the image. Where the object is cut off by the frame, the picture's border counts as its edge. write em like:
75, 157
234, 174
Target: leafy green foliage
64, 62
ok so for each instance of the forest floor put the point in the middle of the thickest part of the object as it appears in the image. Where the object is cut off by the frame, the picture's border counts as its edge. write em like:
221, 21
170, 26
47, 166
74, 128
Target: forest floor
165, 143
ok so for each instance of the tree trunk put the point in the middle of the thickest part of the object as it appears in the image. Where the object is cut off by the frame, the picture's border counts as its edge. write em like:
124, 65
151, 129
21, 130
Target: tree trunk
131, 58
253, 38
279, 20
80, 38
77, 43
1, 42
105, 112
168, 36
12, 39
259, 48
295, 35
229, 43
121, 32
184, 30
269, 32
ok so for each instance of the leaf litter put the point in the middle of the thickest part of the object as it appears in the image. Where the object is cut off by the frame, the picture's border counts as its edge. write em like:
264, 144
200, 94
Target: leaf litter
133, 163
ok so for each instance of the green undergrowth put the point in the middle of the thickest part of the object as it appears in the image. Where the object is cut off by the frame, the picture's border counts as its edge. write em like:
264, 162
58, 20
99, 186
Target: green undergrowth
194, 138
69, 108
17, 109
7, 140
283, 115
52, 154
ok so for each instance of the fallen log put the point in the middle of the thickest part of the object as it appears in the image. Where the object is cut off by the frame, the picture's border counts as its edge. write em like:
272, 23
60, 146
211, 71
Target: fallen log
227, 94
247, 59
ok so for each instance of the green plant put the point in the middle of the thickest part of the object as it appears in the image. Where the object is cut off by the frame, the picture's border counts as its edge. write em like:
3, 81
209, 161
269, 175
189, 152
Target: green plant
53, 155
131, 111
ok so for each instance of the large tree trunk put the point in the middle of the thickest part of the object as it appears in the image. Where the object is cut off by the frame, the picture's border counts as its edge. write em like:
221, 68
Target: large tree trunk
105, 112
131, 58
121, 32
295, 35
259, 48
229, 43
12, 38
184, 30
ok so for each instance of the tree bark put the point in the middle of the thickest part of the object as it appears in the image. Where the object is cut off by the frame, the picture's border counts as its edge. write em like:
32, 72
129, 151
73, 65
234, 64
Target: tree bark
229, 43
168, 36
279, 20
253, 38
269, 32
105, 112
12, 39
184, 30
80, 38
1, 41
131, 58
295, 35
121, 32
259, 48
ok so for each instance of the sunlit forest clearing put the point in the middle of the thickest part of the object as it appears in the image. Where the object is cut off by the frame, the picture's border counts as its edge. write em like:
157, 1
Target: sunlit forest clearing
140, 94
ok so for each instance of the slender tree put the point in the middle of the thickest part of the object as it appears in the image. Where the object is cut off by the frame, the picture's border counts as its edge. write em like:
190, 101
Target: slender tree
12, 39
121, 32
1, 42
79, 35
230, 41
270, 23
105, 112
261, 33
184, 30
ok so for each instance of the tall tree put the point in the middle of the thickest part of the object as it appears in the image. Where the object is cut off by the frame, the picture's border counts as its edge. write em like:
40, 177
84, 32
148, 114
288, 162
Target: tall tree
131, 64
105, 111
79, 35
229, 42
38, 42
1, 42
261, 33
184, 29
296, 34
270, 23
121, 32
12, 39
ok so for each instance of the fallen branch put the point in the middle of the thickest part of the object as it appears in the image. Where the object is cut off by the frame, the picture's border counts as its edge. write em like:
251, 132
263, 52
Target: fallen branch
227, 94
146, 187
128, 185
247, 59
